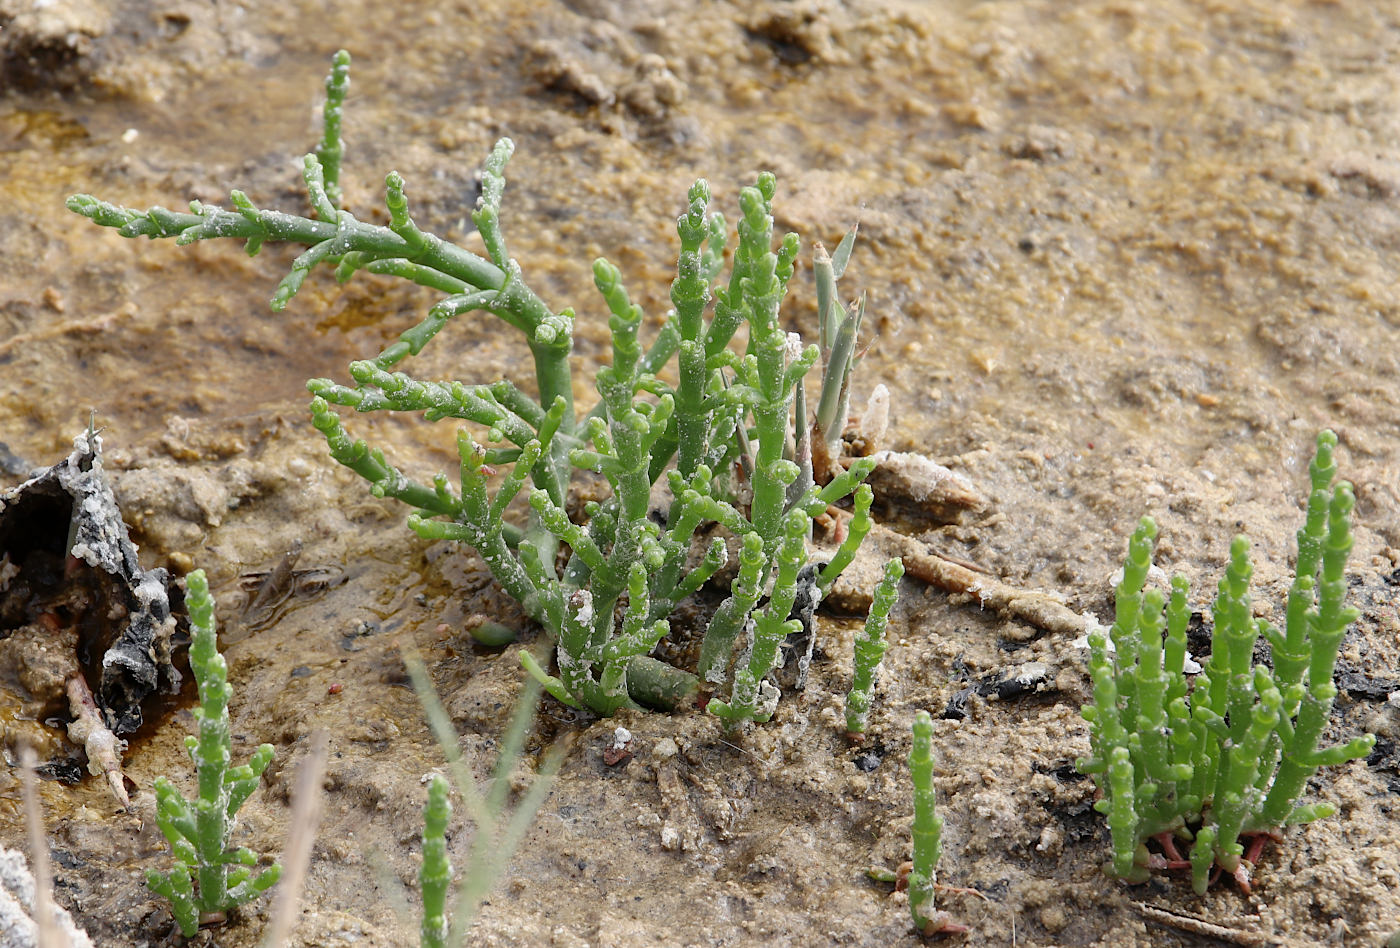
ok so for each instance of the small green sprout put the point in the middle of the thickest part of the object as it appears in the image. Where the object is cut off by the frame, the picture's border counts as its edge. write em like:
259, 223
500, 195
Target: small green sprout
499, 827
920, 875
927, 831
870, 649
1221, 761
209, 879
435, 875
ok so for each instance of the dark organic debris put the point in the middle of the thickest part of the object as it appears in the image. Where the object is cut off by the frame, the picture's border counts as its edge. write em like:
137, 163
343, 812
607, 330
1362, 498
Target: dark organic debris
69, 575
270, 593
869, 759
1385, 758
1362, 685
802, 644
1004, 685
956, 708
1021, 680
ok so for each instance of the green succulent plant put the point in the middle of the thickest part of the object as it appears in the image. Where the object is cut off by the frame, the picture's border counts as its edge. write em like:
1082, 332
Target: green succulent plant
1214, 761
209, 878
730, 438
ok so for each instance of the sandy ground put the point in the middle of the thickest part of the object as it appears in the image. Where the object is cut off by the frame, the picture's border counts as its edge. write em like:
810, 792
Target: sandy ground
1122, 258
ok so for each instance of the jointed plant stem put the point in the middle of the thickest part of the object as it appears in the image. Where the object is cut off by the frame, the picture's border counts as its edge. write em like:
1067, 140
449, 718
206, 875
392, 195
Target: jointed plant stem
209, 878
927, 830
870, 649
435, 874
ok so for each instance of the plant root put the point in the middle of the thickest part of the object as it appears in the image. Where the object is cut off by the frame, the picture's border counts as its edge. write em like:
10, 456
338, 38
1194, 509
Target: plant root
940, 923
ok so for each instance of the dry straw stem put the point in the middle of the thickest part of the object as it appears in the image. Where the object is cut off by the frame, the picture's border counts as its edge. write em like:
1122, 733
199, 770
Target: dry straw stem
307, 805
1198, 926
49, 934
29, 917
1043, 610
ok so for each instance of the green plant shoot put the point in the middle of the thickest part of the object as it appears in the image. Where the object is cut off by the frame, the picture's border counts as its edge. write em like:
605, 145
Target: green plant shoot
870, 649
927, 831
209, 879
435, 875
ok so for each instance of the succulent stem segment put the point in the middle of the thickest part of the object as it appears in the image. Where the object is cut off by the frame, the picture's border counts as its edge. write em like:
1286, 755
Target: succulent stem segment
870, 649
1224, 757
927, 831
209, 879
435, 874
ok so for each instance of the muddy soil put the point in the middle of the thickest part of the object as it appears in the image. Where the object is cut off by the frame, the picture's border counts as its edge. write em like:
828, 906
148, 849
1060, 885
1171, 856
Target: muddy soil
1123, 258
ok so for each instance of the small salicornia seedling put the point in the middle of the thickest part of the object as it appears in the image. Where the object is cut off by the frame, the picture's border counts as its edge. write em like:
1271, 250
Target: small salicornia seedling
499, 829
209, 878
435, 874
726, 424
927, 830
920, 875
870, 649
1214, 762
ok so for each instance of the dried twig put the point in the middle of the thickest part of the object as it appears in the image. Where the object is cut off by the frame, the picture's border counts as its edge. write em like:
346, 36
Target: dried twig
1196, 926
104, 749
1040, 609
275, 585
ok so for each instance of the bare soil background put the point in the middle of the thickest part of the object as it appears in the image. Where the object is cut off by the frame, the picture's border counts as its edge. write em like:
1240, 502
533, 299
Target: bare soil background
1123, 258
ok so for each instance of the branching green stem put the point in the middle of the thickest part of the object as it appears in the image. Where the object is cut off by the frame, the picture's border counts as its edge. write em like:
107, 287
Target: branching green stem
624, 572
870, 648
208, 878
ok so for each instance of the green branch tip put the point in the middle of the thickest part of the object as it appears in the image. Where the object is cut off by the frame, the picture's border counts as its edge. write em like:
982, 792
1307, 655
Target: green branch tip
928, 825
870, 647
435, 873
331, 149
